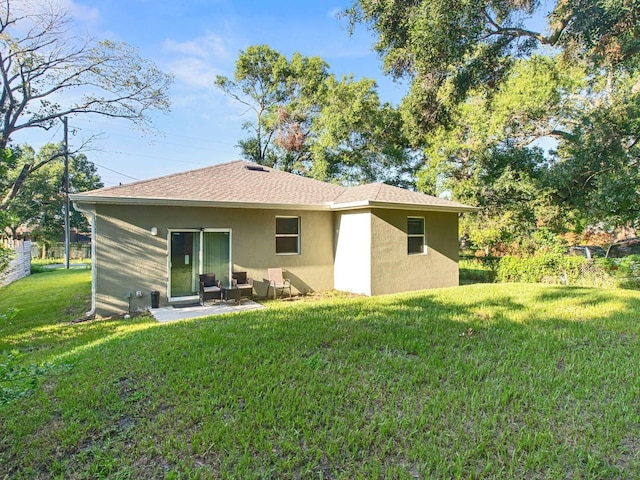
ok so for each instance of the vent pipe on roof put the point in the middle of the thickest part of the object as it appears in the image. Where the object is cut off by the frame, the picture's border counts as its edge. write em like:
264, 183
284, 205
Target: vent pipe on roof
255, 168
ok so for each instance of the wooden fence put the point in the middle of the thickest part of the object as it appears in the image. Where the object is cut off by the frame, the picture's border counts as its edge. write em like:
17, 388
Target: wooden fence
20, 265
77, 251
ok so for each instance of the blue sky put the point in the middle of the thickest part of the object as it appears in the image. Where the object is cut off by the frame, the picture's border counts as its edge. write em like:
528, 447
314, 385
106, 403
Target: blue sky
196, 40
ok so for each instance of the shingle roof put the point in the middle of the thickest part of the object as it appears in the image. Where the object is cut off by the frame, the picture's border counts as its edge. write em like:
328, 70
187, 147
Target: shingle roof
241, 183
381, 193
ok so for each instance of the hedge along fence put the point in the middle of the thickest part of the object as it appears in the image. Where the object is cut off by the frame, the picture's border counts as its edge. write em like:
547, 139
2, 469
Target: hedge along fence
564, 270
626, 271
77, 251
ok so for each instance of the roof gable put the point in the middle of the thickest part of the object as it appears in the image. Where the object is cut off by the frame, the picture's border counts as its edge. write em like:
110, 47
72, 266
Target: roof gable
233, 182
245, 184
381, 194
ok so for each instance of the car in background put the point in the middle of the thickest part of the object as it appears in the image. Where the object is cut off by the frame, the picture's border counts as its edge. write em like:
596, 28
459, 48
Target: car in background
624, 248
587, 251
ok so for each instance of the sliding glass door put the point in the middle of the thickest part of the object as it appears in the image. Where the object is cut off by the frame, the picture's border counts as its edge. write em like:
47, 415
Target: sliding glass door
216, 255
184, 266
193, 252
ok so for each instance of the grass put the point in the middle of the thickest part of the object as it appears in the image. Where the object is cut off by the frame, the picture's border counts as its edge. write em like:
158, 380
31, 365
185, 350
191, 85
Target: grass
473, 271
40, 265
481, 381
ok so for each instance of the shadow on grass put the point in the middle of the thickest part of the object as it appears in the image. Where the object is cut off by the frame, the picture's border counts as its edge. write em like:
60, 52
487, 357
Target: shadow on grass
486, 381
584, 296
469, 276
39, 315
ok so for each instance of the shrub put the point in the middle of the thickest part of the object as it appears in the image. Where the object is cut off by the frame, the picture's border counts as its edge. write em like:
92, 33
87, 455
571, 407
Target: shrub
625, 270
477, 270
553, 268
6, 254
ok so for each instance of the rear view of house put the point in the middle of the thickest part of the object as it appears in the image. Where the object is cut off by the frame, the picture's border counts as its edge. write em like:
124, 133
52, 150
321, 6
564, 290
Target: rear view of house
159, 234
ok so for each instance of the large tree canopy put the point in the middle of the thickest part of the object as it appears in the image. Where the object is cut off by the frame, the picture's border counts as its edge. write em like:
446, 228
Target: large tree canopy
48, 71
598, 164
491, 79
281, 94
356, 140
468, 42
39, 205
449, 48
309, 122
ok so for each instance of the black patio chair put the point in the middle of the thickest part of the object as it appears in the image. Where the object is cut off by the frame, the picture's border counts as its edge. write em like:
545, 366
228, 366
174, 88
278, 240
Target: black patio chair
209, 288
243, 284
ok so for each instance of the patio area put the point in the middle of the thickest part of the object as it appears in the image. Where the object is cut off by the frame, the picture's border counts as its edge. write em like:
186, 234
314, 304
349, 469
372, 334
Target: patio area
175, 313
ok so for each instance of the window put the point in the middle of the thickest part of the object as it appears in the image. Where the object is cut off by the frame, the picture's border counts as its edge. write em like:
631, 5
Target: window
288, 235
415, 235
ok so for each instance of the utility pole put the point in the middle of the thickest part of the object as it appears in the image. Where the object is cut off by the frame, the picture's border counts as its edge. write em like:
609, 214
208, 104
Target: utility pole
66, 193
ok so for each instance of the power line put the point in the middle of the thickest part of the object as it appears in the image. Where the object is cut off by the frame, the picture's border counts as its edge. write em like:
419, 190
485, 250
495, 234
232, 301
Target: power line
153, 157
115, 171
173, 135
175, 159
55, 134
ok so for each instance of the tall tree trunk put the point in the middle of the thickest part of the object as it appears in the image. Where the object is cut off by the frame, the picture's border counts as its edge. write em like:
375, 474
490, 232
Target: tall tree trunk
15, 187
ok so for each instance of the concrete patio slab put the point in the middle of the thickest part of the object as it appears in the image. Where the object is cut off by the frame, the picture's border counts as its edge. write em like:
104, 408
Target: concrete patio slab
172, 314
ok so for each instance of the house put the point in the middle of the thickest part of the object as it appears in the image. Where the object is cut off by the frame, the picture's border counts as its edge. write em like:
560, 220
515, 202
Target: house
159, 234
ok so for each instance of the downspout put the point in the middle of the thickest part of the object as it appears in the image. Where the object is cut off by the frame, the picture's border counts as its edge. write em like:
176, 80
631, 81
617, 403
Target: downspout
91, 215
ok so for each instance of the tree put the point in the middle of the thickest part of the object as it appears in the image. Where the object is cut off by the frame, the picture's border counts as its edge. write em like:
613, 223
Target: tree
282, 94
482, 91
592, 177
310, 123
486, 155
597, 170
40, 203
538, 99
42, 60
450, 47
358, 140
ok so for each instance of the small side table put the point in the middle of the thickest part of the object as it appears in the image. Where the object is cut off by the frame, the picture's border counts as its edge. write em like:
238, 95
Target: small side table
237, 292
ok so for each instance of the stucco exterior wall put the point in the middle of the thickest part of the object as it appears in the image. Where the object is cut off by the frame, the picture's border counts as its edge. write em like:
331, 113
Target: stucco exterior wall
393, 270
353, 252
129, 258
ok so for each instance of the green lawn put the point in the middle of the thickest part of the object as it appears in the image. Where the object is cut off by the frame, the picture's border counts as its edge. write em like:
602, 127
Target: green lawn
482, 381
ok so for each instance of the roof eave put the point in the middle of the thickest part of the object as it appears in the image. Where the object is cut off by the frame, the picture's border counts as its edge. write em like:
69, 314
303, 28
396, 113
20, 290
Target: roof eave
172, 202
403, 206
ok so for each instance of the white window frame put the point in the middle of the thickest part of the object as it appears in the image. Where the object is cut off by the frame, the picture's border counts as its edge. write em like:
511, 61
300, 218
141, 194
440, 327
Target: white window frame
288, 235
423, 235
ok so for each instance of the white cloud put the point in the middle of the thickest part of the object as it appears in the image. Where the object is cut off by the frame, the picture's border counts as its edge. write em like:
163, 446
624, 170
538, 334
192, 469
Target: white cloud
208, 46
193, 72
82, 13
196, 62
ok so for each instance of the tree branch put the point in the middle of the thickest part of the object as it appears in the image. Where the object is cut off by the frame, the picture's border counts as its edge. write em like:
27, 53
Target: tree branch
29, 168
550, 40
40, 58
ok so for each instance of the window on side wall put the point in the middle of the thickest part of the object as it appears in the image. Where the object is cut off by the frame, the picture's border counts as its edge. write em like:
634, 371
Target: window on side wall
287, 235
416, 243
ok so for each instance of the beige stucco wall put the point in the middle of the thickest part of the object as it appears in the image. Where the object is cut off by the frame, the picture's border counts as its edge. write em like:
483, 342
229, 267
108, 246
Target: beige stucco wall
130, 259
352, 270
372, 258
393, 270
362, 251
